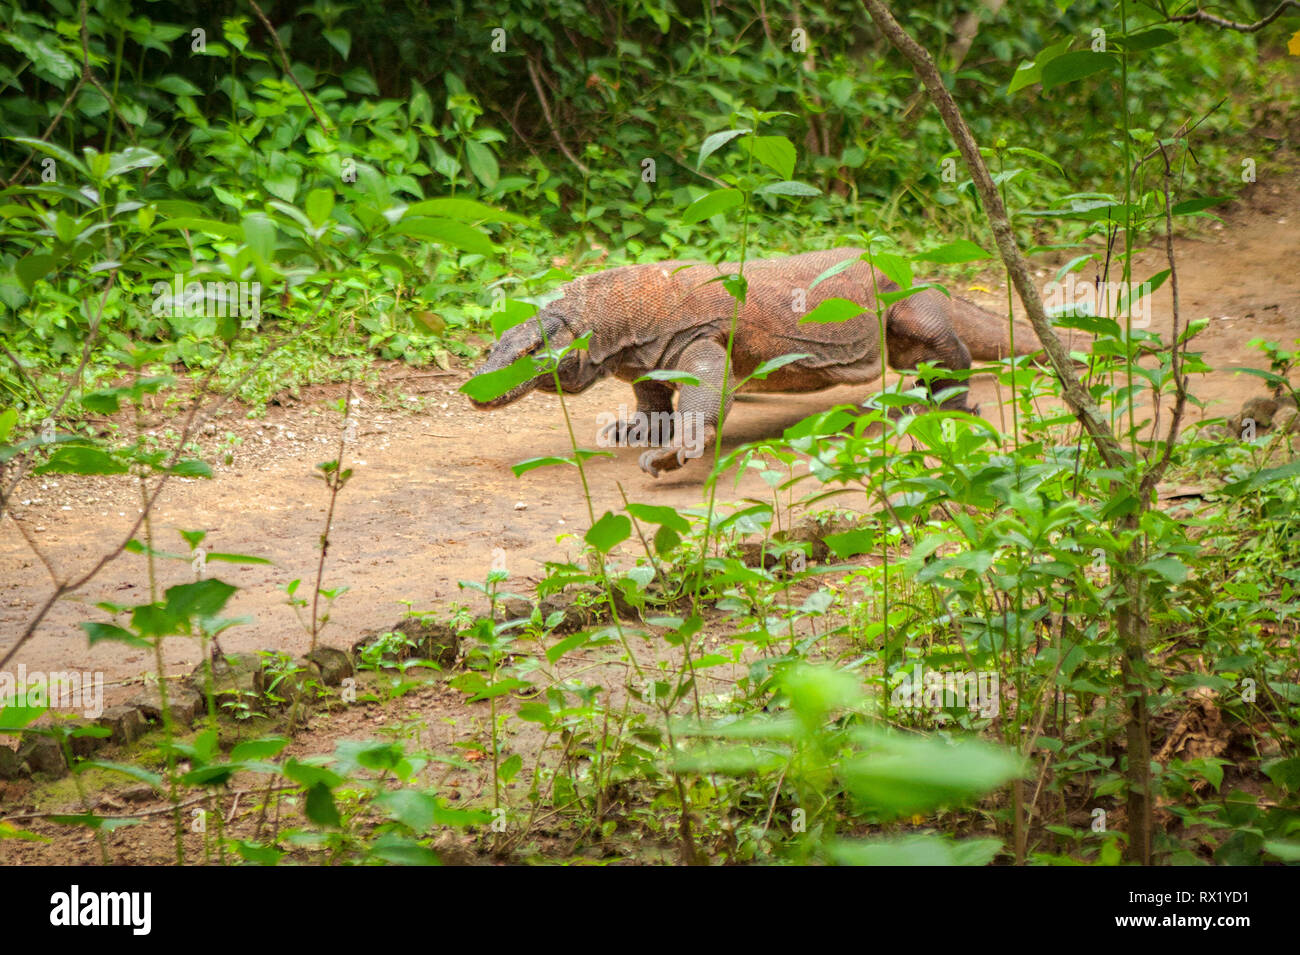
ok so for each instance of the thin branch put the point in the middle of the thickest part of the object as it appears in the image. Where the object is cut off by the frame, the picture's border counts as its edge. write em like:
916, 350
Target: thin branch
1080, 402
40, 554
192, 423
92, 334
550, 120
89, 77
48, 129
284, 60
1200, 16
22, 372
1157, 470
144, 814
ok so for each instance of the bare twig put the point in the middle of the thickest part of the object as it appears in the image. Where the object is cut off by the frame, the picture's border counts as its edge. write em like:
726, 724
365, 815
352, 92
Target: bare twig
89, 77
1080, 402
92, 334
284, 60
1200, 16
145, 813
335, 482
71, 585
48, 129
1157, 470
550, 120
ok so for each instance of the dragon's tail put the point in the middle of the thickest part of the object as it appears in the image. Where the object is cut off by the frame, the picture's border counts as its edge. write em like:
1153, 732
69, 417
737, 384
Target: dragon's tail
987, 336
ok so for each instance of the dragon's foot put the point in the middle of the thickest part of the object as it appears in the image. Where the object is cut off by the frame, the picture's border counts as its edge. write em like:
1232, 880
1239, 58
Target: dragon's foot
654, 463
631, 434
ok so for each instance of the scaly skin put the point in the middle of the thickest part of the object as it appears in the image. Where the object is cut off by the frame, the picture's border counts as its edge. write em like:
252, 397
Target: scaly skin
676, 315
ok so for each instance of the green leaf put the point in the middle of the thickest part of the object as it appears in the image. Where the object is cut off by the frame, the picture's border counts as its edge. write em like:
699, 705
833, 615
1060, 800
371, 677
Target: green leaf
318, 205
30, 269
835, 270
237, 558
307, 775
482, 163
92, 821
1070, 67
462, 817
320, 807
448, 232
177, 85
203, 598
571, 642
1136, 292
510, 768
45, 56
135, 772
660, 514
707, 206
900, 776
225, 230
152, 620
962, 250
52, 149
98, 632
1190, 206
1170, 568
772, 364
80, 459
715, 142
850, 543
258, 749
666, 540
214, 774
833, 310
1102, 210
775, 152
259, 234
1031, 71
499, 688
915, 850
787, 188
1145, 40
14, 719
1286, 850
340, 39
462, 210
512, 312
610, 530
669, 374
190, 468
396, 849
523, 467
257, 853
1035, 154
1261, 478
493, 384
897, 268
413, 809
133, 157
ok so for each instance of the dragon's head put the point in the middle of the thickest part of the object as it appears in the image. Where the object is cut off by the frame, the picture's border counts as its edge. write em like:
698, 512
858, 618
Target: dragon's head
551, 328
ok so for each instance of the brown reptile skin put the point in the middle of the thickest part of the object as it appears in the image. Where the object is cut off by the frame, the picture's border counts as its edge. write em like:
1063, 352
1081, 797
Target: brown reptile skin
676, 315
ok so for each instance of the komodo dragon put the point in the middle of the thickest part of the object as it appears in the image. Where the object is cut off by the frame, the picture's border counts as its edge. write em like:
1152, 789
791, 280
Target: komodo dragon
677, 315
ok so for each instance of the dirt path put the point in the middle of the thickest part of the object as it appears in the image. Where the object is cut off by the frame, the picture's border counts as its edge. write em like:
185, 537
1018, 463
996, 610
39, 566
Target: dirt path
433, 494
